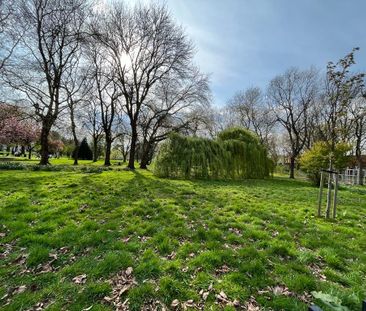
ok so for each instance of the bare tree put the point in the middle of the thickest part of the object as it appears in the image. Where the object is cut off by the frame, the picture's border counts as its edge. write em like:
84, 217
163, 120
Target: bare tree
123, 143
170, 107
144, 45
77, 86
214, 120
107, 94
92, 122
291, 96
8, 39
53, 31
250, 111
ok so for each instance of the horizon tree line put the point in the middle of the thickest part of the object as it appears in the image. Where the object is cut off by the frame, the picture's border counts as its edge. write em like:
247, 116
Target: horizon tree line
125, 76
117, 67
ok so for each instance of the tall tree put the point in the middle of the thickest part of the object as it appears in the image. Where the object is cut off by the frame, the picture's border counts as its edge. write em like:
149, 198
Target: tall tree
341, 87
144, 45
291, 96
53, 31
169, 108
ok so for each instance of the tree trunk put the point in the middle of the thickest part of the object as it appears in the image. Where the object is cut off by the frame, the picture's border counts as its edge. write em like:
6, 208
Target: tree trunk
131, 160
30, 152
76, 154
145, 155
292, 167
108, 146
144, 161
76, 141
44, 144
124, 155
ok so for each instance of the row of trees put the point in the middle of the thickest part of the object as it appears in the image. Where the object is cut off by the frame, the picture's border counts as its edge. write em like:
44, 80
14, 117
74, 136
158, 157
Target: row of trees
123, 73
300, 107
125, 76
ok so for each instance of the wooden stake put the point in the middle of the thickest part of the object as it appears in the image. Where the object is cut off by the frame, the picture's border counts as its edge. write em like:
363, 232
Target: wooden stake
329, 195
335, 195
320, 194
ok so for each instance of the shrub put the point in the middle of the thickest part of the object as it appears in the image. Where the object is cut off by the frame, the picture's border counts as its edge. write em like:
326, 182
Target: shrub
317, 158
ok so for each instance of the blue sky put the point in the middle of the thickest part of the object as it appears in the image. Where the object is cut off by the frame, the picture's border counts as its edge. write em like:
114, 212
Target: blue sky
244, 43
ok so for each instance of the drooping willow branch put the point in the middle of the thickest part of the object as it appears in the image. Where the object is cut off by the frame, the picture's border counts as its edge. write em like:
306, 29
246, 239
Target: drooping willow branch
235, 154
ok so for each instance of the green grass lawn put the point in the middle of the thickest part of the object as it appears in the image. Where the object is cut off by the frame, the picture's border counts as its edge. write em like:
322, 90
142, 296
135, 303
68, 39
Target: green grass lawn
56, 161
69, 239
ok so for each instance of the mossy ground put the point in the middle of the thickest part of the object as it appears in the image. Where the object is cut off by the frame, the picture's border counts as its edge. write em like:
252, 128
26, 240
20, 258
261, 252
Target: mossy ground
243, 238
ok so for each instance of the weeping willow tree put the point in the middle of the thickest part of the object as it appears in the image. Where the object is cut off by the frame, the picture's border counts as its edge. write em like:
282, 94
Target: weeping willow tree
235, 154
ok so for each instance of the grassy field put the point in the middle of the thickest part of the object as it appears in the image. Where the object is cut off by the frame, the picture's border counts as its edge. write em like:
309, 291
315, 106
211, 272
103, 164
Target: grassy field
55, 161
94, 241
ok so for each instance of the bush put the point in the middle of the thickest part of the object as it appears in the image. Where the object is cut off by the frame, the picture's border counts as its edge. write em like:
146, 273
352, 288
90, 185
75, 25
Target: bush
236, 154
317, 158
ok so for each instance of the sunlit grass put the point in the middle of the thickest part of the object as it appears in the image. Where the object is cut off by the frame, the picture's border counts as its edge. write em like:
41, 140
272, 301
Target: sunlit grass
180, 237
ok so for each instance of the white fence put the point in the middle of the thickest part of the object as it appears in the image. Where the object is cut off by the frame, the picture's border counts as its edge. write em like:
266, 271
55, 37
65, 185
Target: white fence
350, 176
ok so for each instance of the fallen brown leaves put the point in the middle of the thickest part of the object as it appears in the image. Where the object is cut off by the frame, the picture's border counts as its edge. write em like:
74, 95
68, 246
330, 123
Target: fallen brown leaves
183, 305
317, 271
171, 256
235, 231
121, 283
222, 270
251, 305
80, 279
14, 291
126, 239
83, 207
43, 305
8, 247
223, 300
281, 290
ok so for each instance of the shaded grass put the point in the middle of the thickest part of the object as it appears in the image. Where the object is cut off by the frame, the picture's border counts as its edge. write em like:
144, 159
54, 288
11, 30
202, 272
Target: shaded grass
177, 235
